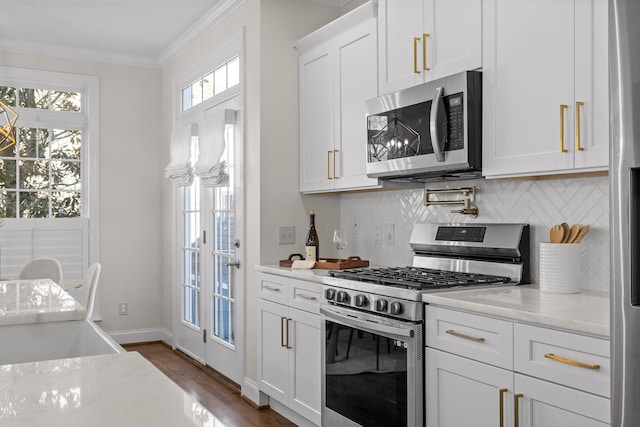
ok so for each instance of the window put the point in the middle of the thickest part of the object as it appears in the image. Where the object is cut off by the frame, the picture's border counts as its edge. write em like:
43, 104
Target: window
49, 179
41, 176
217, 81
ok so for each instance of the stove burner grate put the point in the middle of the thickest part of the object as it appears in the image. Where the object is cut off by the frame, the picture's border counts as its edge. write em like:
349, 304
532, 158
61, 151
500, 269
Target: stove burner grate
417, 278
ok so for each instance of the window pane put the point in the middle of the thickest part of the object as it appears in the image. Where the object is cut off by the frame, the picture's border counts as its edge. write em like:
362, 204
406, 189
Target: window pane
7, 204
7, 173
8, 95
186, 98
196, 93
33, 142
34, 98
34, 174
64, 101
65, 144
65, 175
207, 86
233, 72
34, 205
65, 204
220, 78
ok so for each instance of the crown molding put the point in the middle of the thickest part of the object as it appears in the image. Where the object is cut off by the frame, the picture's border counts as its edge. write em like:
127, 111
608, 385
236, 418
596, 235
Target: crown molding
223, 9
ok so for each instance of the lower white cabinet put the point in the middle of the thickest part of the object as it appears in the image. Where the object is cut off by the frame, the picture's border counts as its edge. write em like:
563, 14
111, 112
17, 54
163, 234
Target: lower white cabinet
289, 344
565, 389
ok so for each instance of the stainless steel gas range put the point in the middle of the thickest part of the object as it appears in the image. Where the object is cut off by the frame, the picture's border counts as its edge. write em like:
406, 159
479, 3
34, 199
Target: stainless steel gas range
373, 373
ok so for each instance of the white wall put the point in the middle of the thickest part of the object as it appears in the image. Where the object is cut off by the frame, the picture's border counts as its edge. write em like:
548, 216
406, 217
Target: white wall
131, 175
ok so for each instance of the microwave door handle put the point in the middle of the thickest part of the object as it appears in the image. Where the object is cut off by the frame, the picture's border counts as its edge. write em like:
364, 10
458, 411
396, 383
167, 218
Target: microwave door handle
438, 124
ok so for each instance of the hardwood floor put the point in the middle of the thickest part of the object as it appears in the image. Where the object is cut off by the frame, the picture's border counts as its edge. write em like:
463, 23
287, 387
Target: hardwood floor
217, 393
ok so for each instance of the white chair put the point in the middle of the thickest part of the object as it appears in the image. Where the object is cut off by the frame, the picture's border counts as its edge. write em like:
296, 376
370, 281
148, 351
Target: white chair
86, 293
42, 268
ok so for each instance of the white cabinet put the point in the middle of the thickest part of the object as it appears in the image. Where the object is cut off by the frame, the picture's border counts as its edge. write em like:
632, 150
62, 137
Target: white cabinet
337, 72
545, 87
421, 40
478, 373
289, 347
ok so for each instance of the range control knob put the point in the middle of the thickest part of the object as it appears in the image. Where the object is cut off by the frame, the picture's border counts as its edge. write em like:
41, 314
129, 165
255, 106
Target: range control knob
396, 308
330, 294
342, 297
381, 305
361, 301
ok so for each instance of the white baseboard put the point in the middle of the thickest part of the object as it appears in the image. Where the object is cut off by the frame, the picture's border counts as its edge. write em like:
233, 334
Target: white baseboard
292, 416
249, 389
142, 335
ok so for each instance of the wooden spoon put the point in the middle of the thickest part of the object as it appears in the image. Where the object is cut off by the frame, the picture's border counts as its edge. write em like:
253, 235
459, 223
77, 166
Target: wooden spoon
556, 234
581, 233
565, 227
573, 233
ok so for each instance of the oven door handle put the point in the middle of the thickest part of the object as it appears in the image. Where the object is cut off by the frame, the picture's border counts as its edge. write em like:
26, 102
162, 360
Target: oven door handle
372, 327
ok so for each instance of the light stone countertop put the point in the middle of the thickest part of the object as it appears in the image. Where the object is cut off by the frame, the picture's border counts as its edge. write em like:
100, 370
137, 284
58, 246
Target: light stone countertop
310, 275
586, 312
36, 301
108, 390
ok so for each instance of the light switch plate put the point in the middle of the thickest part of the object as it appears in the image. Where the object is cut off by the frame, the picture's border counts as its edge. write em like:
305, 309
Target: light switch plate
389, 236
286, 235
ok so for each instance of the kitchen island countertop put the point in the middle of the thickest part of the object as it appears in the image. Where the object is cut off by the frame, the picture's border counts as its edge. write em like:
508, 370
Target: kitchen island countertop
586, 312
107, 390
36, 301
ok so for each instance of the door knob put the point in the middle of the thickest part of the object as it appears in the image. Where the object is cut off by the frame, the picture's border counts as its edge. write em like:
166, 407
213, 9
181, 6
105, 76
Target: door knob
235, 263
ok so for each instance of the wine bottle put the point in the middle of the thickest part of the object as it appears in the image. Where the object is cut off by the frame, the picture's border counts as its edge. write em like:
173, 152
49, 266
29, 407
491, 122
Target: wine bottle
312, 244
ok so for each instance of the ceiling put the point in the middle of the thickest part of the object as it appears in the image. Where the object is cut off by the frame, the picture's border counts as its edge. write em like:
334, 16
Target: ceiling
136, 32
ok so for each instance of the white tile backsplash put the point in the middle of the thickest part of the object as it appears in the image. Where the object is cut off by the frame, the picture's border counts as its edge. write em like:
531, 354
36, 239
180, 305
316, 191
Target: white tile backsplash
539, 203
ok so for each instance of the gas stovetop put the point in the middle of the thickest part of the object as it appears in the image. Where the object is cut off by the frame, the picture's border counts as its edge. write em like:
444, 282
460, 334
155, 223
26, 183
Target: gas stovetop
447, 257
417, 278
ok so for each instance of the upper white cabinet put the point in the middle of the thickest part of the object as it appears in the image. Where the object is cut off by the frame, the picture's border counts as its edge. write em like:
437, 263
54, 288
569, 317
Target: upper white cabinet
421, 40
545, 87
337, 72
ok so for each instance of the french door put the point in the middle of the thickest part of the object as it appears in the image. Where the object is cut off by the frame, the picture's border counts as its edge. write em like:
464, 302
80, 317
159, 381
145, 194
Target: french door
211, 292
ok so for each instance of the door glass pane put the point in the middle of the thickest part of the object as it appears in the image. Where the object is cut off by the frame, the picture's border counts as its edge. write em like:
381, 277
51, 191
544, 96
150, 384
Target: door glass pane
224, 252
191, 250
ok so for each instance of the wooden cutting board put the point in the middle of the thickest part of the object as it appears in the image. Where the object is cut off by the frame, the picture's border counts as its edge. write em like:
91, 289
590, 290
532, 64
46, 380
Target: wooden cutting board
329, 263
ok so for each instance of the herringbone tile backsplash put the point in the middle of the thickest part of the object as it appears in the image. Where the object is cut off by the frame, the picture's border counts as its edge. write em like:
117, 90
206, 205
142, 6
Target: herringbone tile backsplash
538, 203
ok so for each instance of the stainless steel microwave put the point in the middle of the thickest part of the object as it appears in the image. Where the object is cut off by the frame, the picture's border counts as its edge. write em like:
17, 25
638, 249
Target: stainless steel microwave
429, 132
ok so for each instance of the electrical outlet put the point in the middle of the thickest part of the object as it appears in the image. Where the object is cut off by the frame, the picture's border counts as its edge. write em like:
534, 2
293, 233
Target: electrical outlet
389, 234
286, 235
377, 234
123, 308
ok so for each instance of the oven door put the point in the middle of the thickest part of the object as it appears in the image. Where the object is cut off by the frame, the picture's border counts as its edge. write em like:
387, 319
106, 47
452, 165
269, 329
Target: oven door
372, 371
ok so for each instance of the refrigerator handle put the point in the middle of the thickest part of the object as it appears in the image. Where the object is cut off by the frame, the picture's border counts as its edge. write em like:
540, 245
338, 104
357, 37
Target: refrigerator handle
634, 234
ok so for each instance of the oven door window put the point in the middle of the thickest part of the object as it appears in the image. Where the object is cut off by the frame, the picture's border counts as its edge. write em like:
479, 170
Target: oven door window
365, 376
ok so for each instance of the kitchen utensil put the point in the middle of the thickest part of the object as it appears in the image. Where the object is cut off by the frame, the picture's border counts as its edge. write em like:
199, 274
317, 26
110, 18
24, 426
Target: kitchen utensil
556, 234
573, 233
565, 236
581, 233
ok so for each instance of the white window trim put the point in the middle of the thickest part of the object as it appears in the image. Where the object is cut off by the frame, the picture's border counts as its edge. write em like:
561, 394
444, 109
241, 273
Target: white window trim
88, 120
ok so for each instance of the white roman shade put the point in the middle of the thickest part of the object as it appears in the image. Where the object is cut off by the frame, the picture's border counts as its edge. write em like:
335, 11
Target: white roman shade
179, 168
210, 167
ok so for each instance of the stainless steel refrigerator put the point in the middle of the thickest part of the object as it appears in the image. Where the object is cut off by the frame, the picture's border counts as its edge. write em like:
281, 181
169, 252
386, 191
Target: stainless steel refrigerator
624, 176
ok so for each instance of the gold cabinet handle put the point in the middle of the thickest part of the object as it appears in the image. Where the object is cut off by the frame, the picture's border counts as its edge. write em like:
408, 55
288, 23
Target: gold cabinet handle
329, 164
424, 52
271, 288
310, 298
562, 108
415, 55
571, 362
502, 392
335, 176
288, 344
282, 341
516, 411
578, 105
466, 337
